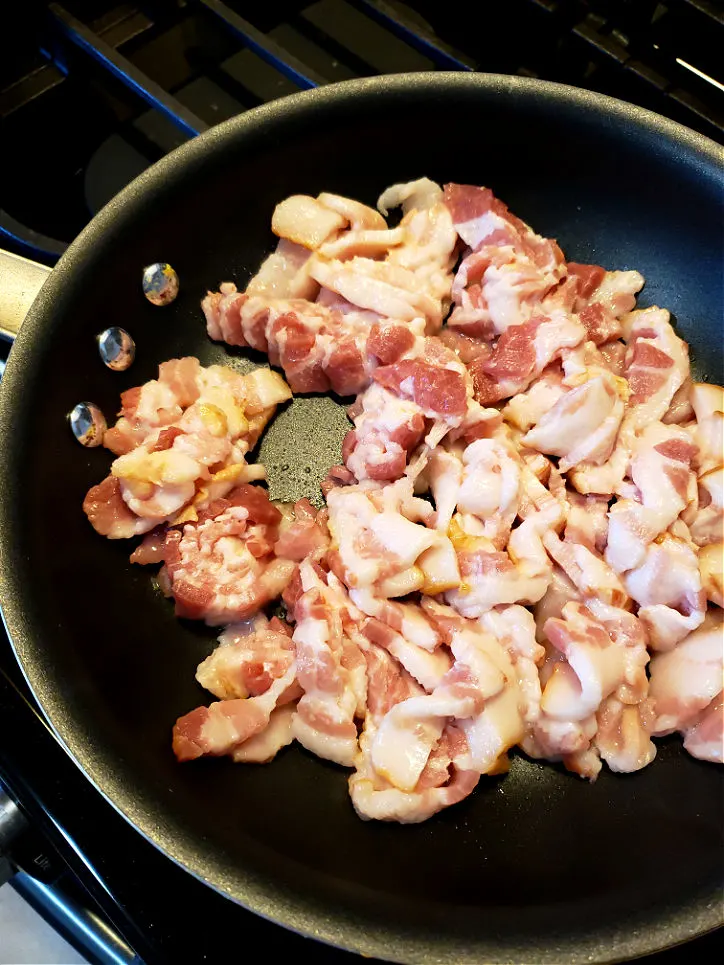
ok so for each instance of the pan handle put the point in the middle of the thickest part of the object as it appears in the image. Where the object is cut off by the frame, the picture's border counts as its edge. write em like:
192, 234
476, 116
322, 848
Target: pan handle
20, 281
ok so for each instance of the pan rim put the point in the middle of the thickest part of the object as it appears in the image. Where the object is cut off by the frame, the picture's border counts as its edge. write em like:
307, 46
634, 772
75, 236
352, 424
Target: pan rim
338, 929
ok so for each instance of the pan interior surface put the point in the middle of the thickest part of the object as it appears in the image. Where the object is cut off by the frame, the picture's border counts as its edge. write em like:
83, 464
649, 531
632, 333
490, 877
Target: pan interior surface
536, 866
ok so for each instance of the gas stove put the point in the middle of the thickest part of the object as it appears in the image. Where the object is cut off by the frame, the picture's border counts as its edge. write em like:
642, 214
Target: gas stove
93, 92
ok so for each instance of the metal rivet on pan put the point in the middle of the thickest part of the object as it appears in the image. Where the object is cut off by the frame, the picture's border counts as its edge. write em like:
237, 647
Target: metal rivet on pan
87, 423
117, 348
160, 283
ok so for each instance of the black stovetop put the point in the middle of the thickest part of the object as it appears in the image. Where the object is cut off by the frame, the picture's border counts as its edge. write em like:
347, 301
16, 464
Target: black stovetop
91, 93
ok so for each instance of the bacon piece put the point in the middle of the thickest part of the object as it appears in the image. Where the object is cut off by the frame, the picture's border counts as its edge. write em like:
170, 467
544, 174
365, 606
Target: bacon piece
306, 535
407, 619
402, 274
593, 668
382, 287
219, 729
664, 486
387, 429
583, 425
264, 746
623, 735
157, 485
376, 537
482, 481
436, 381
526, 409
250, 657
587, 570
594, 702
492, 578
657, 362
444, 781
521, 354
603, 299
668, 589
589, 277
472, 691
514, 628
324, 723
413, 195
317, 347
705, 738
221, 568
305, 221
109, 515
651, 339
390, 342
686, 680
707, 402
427, 668
285, 274
155, 404
511, 268
151, 549
176, 467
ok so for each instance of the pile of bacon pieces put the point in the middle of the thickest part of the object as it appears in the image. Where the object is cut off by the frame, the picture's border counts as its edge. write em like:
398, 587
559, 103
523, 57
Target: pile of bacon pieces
520, 548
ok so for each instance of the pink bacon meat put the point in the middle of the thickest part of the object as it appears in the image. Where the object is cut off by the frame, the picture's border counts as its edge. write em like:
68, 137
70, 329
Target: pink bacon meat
222, 568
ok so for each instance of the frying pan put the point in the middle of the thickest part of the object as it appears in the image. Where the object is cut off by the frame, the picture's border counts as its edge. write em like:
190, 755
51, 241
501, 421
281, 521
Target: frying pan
536, 866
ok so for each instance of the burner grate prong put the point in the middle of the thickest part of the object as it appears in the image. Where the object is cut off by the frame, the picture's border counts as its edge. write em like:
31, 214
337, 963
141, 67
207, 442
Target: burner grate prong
111, 60
266, 48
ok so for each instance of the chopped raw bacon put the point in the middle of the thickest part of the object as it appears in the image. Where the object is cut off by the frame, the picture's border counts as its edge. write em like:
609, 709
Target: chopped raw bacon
222, 727
589, 277
389, 343
531, 504
657, 362
249, 658
667, 586
481, 480
386, 430
317, 347
378, 538
582, 425
522, 353
445, 779
600, 307
328, 663
664, 486
172, 468
439, 390
686, 687
594, 703
109, 515
306, 535
151, 549
509, 269
222, 568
